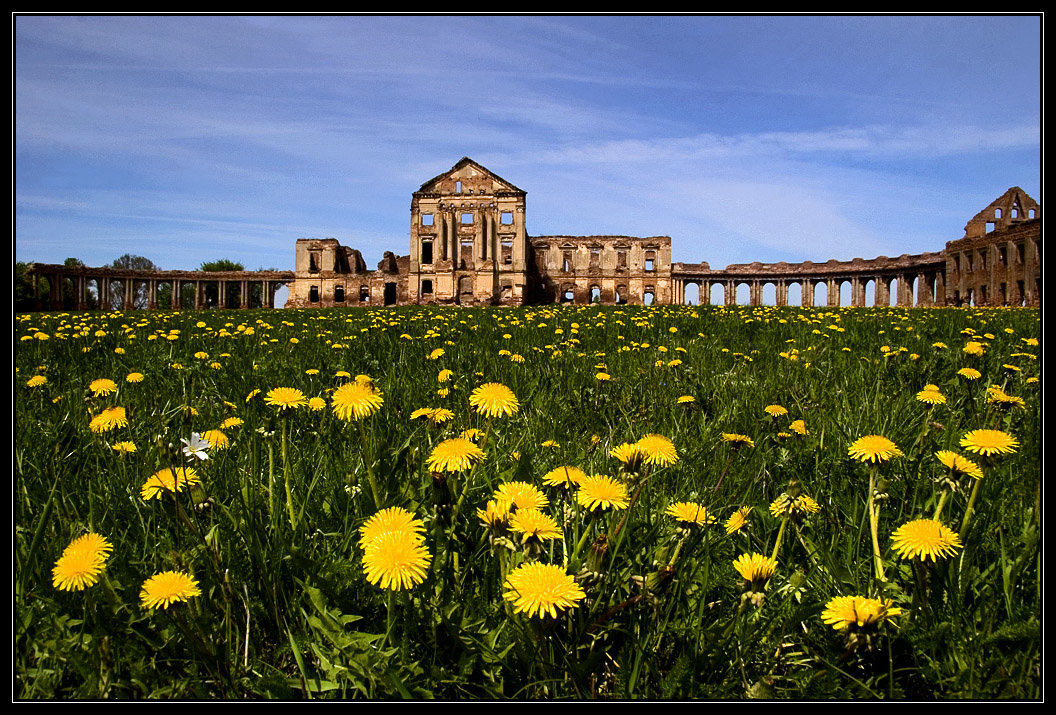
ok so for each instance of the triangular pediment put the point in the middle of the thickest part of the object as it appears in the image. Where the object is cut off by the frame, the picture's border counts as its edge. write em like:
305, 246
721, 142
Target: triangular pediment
1013, 205
466, 176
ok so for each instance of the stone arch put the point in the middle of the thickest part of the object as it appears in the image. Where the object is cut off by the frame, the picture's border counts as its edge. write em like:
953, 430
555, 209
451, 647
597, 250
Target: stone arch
846, 289
768, 291
568, 293
742, 293
691, 294
595, 293
795, 293
820, 298
869, 291
718, 293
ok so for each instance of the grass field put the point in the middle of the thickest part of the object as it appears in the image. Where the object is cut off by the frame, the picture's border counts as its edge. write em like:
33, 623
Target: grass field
370, 503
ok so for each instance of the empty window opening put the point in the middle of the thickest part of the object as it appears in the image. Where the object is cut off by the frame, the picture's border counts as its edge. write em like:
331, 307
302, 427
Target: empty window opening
427, 219
458, 187
427, 252
390, 294
506, 218
364, 294
621, 260
990, 226
427, 287
313, 294
650, 261
507, 251
1015, 213
313, 261
1019, 253
647, 299
595, 258
1003, 254
339, 294
566, 261
621, 291
595, 294
1030, 214
997, 213
466, 253
467, 219
568, 296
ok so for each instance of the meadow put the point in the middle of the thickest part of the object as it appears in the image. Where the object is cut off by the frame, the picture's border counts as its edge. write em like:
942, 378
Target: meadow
656, 502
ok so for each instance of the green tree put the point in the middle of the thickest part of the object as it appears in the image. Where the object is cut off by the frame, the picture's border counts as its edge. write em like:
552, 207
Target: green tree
135, 263
232, 295
222, 265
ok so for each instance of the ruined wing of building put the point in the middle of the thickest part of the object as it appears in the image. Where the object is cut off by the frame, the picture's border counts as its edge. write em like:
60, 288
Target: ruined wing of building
469, 245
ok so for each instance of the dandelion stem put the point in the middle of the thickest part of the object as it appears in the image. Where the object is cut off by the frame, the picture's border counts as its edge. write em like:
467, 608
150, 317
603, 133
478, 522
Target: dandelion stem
874, 519
780, 536
969, 510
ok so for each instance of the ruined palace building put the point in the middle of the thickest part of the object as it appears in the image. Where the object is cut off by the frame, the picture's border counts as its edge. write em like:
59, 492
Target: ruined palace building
469, 245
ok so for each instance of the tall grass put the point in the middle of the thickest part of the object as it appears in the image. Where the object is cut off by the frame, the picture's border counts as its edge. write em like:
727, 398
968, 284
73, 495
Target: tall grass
271, 534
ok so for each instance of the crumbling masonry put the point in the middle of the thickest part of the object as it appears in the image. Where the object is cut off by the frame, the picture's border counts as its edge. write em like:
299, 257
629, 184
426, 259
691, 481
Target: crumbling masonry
470, 246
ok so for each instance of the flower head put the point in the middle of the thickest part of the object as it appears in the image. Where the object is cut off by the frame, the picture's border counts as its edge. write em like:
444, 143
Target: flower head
775, 411
36, 381
108, 419
923, 539
563, 476
172, 479
494, 514
520, 495
755, 569
794, 506
690, 513
124, 447
631, 454
196, 446
540, 589
133, 377
285, 398
602, 491
969, 373
392, 519
930, 395
738, 519
534, 524
737, 440
658, 450
873, 448
166, 588
956, 463
845, 612
454, 455
81, 562
493, 399
356, 400
988, 442
102, 386
395, 560
799, 427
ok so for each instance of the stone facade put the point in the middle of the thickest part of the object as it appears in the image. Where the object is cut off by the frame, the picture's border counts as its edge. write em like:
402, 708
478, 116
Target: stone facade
470, 246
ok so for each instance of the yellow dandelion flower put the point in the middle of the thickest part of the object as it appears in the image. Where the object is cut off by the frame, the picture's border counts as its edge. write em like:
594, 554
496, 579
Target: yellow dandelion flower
956, 463
392, 519
36, 381
493, 399
974, 348
843, 612
472, 434
630, 454
134, 377
738, 520
775, 411
103, 386
170, 479
435, 354
356, 400
167, 588
686, 400
444, 375
396, 560
602, 491
755, 568
658, 450
690, 513
108, 419
540, 589
124, 447
923, 539
799, 427
873, 448
286, 398
969, 373
988, 442
931, 395
81, 563
217, 440
563, 476
494, 514
534, 524
454, 455
800, 506
231, 422
520, 495
737, 440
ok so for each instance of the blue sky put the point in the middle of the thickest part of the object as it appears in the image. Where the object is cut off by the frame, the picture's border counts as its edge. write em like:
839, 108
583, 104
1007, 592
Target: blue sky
188, 139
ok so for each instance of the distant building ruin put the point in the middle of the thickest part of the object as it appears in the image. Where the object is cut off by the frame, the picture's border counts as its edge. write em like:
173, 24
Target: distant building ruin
469, 245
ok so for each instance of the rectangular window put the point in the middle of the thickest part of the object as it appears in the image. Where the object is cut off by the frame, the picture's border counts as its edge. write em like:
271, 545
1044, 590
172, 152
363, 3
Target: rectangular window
566, 261
364, 294
650, 260
621, 260
427, 219
595, 258
427, 252
507, 251
458, 187
506, 218
427, 287
313, 294
339, 294
313, 262
467, 219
